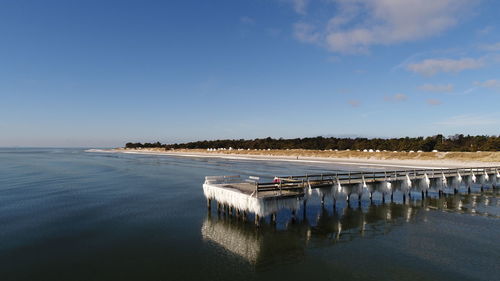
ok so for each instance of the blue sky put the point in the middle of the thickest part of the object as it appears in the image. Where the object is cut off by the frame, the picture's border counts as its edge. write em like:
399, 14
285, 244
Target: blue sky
100, 73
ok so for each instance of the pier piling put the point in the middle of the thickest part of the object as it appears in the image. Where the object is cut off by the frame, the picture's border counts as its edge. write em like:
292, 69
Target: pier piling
305, 208
257, 220
273, 218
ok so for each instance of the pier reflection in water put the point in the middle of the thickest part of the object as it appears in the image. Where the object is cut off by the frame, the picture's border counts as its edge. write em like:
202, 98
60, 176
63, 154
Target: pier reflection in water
288, 239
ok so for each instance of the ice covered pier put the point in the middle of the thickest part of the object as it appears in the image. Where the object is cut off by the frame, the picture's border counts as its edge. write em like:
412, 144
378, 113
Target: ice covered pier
237, 196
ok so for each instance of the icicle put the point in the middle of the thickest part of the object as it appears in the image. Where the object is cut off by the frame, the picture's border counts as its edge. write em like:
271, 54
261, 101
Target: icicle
459, 178
408, 181
486, 176
427, 180
339, 187
445, 181
245, 202
473, 177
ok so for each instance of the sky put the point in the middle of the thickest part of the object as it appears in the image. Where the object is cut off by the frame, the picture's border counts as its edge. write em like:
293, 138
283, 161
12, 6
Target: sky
102, 73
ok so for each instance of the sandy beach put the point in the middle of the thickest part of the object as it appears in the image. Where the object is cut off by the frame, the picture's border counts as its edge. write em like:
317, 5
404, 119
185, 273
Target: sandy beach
409, 160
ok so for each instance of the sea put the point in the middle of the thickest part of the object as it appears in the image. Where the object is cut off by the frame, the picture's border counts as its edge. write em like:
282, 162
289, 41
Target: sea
68, 214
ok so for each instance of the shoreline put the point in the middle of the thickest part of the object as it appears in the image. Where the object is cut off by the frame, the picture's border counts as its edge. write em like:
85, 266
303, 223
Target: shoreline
302, 157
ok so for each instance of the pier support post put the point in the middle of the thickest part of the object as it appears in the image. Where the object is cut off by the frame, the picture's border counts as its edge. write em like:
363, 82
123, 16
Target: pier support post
482, 188
209, 204
257, 220
426, 192
423, 195
392, 196
468, 189
305, 207
273, 218
322, 201
383, 198
293, 216
371, 197
404, 197
244, 216
455, 190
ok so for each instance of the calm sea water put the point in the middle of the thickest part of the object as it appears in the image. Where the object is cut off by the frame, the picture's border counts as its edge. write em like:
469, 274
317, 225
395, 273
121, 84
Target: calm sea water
66, 214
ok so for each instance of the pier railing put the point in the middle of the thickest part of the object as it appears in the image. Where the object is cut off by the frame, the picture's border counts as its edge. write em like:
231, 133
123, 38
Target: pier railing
318, 180
298, 183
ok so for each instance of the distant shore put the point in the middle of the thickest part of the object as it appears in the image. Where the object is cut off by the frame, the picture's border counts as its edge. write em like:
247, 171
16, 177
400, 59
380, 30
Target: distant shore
411, 160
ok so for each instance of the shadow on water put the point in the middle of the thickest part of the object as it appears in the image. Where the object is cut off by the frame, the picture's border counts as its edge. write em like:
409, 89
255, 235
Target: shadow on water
287, 240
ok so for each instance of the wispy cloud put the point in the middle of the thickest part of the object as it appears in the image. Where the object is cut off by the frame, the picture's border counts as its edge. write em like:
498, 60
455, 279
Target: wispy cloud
396, 97
299, 6
333, 59
247, 20
494, 47
306, 32
470, 120
485, 30
438, 88
430, 67
354, 103
492, 83
433, 102
359, 24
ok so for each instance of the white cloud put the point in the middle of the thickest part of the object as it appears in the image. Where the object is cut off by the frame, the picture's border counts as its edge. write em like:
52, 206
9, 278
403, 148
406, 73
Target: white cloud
396, 97
469, 120
433, 102
485, 30
299, 6
490, 47
438, 88
400, 97
359, 24
354, 103
247, 20
333, 59
306, 32
492, 83
429, 67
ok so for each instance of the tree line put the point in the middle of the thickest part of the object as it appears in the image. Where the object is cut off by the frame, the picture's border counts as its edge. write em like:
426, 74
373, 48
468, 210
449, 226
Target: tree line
457, 142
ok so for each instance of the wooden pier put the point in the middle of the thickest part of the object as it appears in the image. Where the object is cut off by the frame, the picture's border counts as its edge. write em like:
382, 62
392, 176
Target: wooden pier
242, 196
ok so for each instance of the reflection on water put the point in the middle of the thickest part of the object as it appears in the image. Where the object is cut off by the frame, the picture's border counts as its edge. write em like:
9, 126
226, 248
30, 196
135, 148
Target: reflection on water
323, 227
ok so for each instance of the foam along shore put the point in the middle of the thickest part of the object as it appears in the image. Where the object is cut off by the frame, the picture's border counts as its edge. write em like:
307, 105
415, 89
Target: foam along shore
375, 160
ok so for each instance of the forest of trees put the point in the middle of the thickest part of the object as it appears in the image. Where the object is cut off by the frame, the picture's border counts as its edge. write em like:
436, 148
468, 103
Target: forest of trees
438, 142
